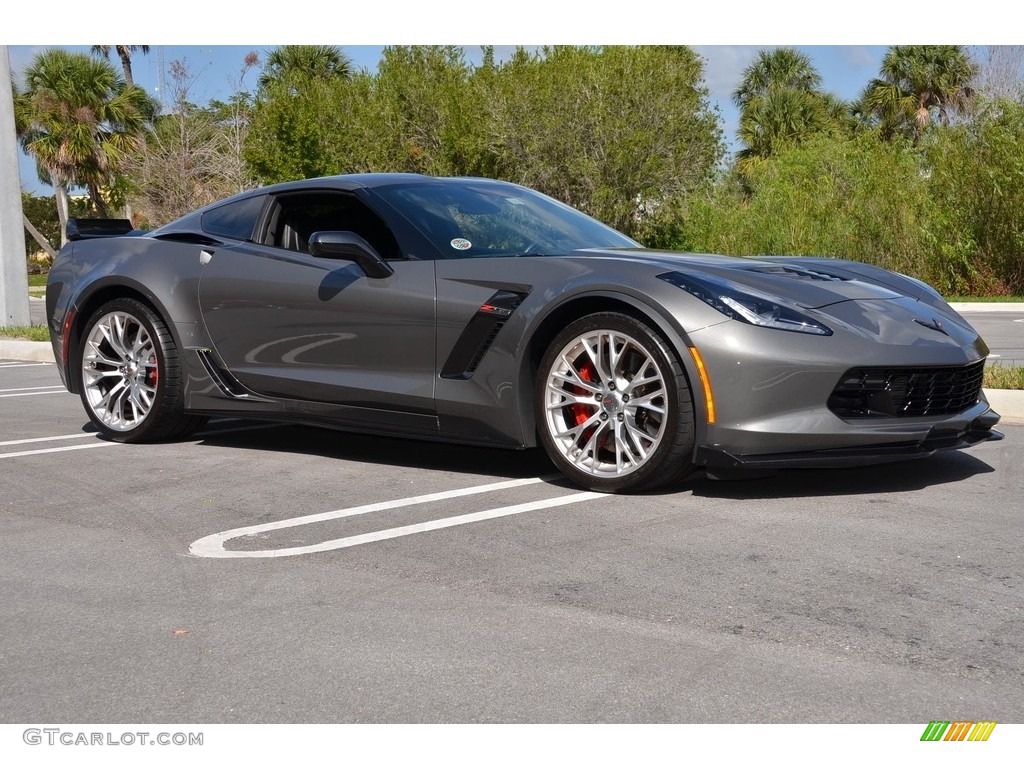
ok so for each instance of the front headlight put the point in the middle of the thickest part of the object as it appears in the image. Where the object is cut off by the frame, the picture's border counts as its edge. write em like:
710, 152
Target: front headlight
746, 306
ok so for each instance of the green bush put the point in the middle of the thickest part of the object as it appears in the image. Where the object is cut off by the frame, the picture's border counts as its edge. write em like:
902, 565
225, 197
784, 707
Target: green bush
977, 186
846, 197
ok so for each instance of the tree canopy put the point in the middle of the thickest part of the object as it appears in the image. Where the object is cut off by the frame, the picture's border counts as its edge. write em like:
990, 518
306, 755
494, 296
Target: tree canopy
781, 103
613, 130
920, 174
296, 64
918, 84
79, 120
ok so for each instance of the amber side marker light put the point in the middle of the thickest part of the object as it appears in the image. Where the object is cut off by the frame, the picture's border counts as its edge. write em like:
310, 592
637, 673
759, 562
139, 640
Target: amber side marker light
709, 398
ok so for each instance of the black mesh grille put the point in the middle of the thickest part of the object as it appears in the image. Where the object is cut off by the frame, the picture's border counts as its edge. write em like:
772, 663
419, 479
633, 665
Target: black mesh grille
903, 392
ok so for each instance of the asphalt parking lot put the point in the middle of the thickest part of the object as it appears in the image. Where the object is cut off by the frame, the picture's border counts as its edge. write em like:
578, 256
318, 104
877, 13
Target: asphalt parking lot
177, 583
1003, 331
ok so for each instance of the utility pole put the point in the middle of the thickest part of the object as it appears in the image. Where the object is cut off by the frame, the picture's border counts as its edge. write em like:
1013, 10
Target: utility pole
13, 274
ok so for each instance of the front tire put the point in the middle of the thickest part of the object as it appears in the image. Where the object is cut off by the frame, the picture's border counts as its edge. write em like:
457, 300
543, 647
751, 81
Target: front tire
131, 375
614, 408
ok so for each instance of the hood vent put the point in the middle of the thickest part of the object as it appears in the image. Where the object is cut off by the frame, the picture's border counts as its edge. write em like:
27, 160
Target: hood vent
798, 273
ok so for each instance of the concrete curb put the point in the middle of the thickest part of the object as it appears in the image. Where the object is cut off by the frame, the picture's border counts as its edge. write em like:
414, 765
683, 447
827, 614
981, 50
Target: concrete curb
1008, 403
26, 351
967, 307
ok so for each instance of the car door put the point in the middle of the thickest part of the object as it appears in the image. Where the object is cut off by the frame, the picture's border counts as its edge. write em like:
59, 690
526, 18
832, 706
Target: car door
287, 324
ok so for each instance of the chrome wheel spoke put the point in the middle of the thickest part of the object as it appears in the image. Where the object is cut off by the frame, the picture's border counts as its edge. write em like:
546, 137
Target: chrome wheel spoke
595, 351
142, 347
575, 431
615, 356
588, 453
113, 395
95, 356
570, 398
639, 384
619, 447
575, 379
102, 374
633, 442
114, 333
646, 402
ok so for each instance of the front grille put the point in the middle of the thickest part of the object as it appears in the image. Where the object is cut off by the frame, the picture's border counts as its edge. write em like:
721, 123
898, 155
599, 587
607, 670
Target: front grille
902, 392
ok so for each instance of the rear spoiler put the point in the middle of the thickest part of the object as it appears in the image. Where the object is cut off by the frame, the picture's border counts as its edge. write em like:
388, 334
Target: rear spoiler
88, 229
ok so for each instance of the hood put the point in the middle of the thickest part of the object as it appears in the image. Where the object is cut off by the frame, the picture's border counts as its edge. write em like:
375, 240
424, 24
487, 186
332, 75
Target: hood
802, 282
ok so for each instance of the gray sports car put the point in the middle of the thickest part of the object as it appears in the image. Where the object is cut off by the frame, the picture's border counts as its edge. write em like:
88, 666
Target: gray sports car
481, 312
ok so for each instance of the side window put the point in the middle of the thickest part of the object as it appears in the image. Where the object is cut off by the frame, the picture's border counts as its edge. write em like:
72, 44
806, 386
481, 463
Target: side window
235, 220
299, 215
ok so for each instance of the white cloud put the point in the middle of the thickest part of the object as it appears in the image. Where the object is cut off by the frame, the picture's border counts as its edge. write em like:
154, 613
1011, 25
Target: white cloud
860, 57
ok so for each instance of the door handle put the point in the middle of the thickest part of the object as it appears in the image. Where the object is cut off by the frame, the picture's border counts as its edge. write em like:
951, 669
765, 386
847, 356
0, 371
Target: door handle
204, 257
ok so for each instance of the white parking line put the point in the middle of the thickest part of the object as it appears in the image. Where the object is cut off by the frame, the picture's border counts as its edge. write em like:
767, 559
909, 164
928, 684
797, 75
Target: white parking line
32, 389
102, 443
22, 365
73, 436
213, 545
97, 444
62, 391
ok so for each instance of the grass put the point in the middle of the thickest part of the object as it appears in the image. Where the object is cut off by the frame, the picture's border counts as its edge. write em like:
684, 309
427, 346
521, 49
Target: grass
25, 332
1003, 377
37, 285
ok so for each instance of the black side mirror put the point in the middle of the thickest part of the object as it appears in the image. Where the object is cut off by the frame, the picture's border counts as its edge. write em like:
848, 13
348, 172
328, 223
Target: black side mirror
350, 246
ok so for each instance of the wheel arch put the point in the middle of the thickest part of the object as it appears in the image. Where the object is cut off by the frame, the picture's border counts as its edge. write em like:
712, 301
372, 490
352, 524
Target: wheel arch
98, 295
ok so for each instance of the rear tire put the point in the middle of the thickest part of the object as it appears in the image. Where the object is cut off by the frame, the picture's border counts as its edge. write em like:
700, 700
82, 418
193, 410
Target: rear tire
613, 405
131, 375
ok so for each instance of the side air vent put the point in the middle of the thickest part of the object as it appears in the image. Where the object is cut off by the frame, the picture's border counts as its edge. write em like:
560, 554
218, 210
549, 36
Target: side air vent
479, 334
224, 380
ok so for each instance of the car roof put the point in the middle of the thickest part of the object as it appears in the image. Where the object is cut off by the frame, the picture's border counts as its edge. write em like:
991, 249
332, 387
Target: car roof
190, 221
369, 180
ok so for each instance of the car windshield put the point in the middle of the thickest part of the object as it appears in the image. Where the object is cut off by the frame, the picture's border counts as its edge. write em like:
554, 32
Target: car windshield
480, 219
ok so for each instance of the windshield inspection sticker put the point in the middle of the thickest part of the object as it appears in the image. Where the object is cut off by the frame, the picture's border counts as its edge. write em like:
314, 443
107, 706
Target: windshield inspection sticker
461, 244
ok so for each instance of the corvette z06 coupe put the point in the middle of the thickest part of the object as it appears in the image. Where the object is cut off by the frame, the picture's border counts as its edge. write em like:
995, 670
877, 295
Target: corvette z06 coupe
481, 312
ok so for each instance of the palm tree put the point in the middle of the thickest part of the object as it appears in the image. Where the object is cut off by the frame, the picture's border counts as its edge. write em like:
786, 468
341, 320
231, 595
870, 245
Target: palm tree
780, 117
295, 63
125, 53
779, 68
79, 120
780, 103
917, 83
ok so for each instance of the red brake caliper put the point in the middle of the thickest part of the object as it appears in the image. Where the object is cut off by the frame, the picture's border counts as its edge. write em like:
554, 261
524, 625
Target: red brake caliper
580, 411
153, 372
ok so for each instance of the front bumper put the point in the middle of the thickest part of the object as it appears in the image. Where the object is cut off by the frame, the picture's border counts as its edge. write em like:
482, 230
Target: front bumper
935, 439
775, 392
